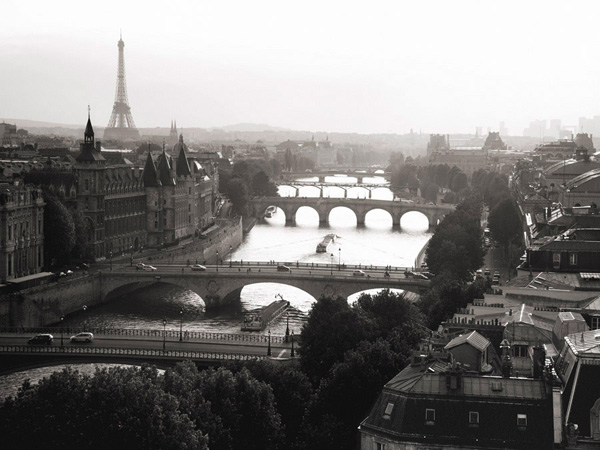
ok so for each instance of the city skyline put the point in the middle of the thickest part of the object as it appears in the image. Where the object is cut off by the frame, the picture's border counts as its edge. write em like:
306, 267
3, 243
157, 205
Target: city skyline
333, 67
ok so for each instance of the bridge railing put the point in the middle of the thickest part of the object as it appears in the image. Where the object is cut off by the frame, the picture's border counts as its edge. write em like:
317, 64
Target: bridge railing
186, 336
125, 352
298, 264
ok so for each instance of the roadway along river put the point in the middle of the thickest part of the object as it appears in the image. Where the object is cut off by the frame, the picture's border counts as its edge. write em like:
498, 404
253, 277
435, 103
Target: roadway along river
374, 243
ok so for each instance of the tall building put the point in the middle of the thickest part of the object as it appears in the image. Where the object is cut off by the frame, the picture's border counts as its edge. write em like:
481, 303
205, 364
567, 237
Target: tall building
121, 126
21, 230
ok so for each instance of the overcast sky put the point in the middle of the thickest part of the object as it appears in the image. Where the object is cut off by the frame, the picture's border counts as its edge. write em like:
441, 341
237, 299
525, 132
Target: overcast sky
367, 67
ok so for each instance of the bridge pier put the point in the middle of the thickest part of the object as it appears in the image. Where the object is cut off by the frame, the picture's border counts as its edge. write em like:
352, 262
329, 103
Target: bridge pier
359, 179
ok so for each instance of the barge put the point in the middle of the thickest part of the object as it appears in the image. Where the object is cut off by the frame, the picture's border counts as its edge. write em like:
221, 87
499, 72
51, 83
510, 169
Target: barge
270, 211
324, 244
258, 320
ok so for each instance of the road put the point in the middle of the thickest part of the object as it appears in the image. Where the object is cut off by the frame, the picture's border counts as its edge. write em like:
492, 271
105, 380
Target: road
240, 348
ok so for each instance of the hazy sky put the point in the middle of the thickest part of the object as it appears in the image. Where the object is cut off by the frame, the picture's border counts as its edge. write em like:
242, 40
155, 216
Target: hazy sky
367, 67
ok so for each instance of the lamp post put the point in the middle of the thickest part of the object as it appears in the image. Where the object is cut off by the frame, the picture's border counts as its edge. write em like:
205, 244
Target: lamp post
331, 265
84, 307
164, 334
287, 328
217, 260
230, 255
62, 328
110, 255
269, 346
293, 354
339, 258
180, 325
131, 255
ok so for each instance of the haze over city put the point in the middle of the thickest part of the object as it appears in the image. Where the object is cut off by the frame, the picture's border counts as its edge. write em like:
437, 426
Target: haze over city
388, 66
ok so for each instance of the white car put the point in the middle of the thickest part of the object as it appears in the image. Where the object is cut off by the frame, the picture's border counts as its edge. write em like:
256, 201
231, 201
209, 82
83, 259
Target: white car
358, 273
82, 337
140, 266
150, 269
198, 267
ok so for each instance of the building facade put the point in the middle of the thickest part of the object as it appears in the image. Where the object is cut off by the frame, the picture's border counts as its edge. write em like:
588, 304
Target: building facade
22, 231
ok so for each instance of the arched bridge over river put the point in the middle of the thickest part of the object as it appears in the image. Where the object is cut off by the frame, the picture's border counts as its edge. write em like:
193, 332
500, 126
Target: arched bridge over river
217, 285
360, 207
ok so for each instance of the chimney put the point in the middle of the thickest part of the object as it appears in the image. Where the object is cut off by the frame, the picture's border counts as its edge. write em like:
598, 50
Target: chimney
506, 361
539, 361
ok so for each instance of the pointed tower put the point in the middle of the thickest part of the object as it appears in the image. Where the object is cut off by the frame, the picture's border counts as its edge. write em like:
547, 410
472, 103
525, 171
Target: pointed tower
173, 133
91, 168
121, 126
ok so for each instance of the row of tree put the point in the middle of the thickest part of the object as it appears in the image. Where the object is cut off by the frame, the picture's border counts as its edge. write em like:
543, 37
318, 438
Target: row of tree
454, 253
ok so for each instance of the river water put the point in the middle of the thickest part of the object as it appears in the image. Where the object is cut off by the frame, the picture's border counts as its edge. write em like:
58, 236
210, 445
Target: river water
377, 243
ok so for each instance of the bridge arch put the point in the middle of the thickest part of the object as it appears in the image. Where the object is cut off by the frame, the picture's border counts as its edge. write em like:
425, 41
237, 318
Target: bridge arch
418, 216
125, 289
379, 211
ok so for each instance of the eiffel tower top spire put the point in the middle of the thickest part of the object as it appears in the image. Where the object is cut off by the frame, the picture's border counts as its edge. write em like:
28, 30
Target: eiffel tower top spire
121, 125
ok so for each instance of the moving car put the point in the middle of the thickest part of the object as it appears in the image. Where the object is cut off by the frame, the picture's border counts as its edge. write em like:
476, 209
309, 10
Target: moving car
140, 266
487, 272
282, 268
150, 268
41, 339
198, 267
82, 337
358, 273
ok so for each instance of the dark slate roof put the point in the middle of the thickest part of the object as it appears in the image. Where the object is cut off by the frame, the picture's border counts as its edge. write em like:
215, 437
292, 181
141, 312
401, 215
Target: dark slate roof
89, 154
149, 176
183, 167
164, 170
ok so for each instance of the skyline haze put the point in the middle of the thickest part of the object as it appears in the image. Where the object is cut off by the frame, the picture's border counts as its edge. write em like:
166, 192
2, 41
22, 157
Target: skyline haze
438, 67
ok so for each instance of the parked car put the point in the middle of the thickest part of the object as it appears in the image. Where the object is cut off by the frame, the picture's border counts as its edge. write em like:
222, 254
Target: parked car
82, 337
198, 267
487, 272
148, 268
203, 236
358, 273
41, 339
140, 266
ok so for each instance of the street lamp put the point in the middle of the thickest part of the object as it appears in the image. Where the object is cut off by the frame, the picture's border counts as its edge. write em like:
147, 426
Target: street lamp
84, 307
180, 325
269, 346
110, 255
339, 258
331, 265
62, 318
293, 354
287, 328
164, 334
217, 260
131, 255
230, 255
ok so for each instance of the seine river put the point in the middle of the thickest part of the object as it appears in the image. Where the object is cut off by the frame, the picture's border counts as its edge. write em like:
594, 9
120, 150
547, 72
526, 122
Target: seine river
377, 243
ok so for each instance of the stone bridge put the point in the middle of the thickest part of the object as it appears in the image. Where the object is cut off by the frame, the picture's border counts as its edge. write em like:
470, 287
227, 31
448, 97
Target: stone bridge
360, 207
45, 304
291, 176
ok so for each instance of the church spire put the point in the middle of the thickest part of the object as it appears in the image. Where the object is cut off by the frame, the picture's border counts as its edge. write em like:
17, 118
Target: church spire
88, 136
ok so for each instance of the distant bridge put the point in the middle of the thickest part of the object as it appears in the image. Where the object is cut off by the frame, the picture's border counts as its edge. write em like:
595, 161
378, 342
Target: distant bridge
360, 207
321, 175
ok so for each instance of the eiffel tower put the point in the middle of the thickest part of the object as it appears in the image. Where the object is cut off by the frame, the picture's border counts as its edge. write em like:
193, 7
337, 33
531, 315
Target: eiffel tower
121, 126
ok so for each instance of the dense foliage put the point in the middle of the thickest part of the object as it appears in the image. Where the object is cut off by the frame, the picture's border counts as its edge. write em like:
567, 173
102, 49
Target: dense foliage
59, 229
247, 178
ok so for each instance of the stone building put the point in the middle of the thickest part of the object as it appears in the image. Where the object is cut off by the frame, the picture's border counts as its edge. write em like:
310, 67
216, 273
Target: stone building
21, 230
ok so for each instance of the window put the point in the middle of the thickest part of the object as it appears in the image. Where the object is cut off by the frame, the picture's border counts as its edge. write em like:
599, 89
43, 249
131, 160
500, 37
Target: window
379, 446
87, 184
595, 322
429, 416
556, 260
573, 259
10, 232
387, 414
521, 421
520, 351
473, 418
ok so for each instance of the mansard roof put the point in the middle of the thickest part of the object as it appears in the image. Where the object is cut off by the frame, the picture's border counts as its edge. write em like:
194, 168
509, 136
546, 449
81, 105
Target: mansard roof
149, 175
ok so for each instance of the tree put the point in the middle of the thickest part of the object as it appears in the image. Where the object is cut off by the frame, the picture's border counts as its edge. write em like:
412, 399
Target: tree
82, 230
237, 191
504, 222
332, 328
118, 408
262, 186
59, 230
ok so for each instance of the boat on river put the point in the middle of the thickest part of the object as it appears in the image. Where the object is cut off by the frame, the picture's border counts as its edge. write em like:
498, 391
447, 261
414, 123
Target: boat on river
324, 244
270, 211
258, 320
